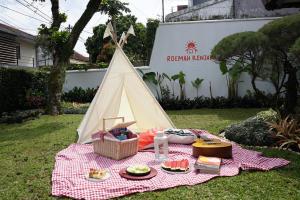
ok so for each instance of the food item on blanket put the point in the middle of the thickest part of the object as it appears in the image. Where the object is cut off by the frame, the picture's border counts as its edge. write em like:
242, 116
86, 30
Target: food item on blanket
208, 165
176, 165
138, 170
97, 173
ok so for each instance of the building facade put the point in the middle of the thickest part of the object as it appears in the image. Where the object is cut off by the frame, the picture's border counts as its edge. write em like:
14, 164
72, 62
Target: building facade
17, 48
226, 9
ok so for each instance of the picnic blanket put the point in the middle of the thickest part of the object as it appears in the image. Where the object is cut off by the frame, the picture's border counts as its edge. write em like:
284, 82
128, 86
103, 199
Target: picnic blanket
72, 163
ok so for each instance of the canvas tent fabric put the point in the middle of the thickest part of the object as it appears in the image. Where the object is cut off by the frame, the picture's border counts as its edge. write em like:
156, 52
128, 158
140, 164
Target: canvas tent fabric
122, 93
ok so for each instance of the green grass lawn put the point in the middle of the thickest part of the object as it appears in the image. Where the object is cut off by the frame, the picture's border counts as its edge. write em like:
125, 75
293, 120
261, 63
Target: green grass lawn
27, 154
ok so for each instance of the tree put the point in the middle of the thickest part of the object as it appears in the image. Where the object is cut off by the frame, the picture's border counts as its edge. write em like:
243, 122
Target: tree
95, 43
282, 34
151, 27
295, 51
246, 48
61, 44
138, 52
196, 84
134, 50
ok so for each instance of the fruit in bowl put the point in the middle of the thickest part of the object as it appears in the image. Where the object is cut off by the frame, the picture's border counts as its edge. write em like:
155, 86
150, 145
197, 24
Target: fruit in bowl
138, 170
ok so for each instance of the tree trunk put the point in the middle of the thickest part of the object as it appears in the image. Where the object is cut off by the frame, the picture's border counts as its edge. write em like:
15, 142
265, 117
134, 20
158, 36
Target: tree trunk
259, 94
56, 81
291, 89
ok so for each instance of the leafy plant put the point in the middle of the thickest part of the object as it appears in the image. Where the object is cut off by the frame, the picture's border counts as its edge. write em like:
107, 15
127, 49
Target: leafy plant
196, 84
174, 78
232, 76
160, 78
80, 95
287, 132
150, 77
181, 80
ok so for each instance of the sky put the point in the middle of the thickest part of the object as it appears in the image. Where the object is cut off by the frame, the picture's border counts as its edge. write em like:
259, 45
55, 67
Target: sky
142, 9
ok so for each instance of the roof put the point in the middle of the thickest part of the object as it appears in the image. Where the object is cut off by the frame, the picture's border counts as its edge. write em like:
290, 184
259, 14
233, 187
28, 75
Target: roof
16, 32
78, 56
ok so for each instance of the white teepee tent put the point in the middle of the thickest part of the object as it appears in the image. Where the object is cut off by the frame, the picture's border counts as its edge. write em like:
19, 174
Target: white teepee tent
122, 93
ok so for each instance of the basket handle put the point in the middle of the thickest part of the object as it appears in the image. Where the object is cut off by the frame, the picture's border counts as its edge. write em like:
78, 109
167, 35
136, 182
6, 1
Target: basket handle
110, 118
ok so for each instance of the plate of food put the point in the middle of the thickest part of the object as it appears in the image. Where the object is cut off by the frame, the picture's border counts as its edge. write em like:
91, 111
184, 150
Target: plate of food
138, 170
97, 175
176, 166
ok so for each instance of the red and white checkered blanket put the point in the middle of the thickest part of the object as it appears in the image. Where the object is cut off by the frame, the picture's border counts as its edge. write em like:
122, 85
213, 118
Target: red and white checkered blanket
72, 163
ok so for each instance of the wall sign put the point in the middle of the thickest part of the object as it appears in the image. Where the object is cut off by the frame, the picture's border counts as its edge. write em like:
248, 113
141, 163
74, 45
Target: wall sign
191, 51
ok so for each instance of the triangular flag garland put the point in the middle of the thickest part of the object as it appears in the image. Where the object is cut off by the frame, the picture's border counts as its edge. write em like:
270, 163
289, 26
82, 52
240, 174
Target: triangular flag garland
131, 30
108, 31
122, 39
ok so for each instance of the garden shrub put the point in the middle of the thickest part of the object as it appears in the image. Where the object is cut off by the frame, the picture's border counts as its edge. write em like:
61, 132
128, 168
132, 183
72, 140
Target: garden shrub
20, 116
80, 95
22, 89
216, 102
253, 131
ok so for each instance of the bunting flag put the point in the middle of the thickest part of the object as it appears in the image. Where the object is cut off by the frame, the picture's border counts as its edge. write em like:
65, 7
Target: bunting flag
131, 31
122, 39
108, 31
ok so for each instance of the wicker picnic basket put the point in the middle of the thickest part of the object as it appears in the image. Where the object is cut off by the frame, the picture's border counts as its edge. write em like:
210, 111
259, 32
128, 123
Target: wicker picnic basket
116, 150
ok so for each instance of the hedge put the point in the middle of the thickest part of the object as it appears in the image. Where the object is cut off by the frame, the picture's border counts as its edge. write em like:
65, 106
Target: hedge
22, 89
80, 95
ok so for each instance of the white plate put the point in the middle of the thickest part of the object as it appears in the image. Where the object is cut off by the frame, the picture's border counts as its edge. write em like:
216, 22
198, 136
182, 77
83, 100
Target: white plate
107, 176
170, 172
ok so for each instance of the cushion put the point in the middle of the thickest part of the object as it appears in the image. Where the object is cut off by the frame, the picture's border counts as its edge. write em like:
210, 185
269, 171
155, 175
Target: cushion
180, 136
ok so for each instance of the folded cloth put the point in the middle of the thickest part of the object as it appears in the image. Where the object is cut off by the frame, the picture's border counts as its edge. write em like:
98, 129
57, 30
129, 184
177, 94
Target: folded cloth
122, 133
146, 139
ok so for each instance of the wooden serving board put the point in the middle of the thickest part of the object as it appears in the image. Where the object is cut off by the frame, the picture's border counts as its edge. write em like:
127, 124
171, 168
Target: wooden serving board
220, 149
123, 173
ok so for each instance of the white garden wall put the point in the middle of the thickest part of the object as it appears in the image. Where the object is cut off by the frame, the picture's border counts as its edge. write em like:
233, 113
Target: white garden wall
88, 79
171, 53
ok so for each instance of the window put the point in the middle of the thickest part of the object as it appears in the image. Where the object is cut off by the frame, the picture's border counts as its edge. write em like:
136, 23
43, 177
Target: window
18, 52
